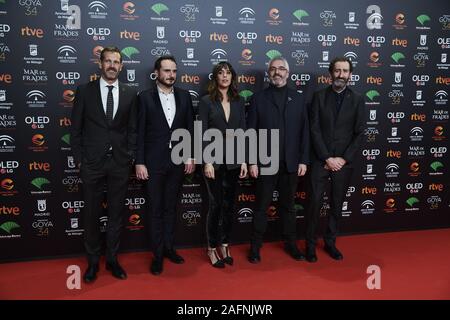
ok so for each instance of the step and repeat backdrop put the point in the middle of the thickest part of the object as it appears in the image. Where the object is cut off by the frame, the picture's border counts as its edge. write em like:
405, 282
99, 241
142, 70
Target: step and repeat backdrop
400, 50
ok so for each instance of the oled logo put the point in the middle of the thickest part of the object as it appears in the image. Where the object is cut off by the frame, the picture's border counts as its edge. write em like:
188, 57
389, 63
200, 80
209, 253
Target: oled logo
376, 41
67, 77
8, 167
98, 33
37, 122
4, 30
371, 154
327, 40
438, 152
190, 36
395, 117
414, 187
420, 80
247, 37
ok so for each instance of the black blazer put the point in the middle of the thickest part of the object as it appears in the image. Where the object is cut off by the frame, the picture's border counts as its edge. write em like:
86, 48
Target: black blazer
333, 134
262, 114
91, 133
212, 116
154, 133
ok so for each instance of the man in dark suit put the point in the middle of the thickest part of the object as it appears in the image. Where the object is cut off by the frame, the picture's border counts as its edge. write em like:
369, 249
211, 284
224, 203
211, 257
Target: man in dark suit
163, 109
103, 138
336, 120
279, 107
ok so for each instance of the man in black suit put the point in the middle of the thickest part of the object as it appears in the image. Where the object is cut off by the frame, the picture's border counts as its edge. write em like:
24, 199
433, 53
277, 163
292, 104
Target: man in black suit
163, 109
279, 107
103, 138
336, 119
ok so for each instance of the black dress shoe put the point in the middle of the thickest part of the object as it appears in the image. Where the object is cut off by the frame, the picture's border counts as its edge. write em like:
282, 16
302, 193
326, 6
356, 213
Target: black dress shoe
333, 252
226, 255
91, 273
173, 256
116, 270
311, 254
254, 256
156, 267
216, 262
292, 250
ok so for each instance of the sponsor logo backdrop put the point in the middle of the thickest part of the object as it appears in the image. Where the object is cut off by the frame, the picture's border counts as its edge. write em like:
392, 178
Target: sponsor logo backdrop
47, 48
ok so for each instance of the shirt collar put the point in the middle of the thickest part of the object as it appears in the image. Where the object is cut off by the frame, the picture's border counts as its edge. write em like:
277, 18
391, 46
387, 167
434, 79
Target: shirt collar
105, 84
161, 92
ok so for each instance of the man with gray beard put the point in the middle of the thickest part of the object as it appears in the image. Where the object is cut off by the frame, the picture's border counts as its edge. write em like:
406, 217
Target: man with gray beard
336, 120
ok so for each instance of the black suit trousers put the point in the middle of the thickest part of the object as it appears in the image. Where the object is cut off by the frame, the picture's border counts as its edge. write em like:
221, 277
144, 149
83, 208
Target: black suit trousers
94, 178
319, 178
265, 186
163, 189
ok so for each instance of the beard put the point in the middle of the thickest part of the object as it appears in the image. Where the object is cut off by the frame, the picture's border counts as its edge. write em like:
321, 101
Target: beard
110, 74
168, 82
277, 81
340, 83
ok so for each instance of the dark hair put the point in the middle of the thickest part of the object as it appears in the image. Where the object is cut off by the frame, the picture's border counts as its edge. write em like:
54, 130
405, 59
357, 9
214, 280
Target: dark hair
110, 49
340, 59
160, 59
213, 88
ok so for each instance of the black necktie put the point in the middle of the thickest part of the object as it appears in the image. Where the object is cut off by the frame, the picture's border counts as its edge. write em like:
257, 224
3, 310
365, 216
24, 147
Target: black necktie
110, 104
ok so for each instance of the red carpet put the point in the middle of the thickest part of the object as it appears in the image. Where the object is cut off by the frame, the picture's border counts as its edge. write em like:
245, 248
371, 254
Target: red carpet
414, 265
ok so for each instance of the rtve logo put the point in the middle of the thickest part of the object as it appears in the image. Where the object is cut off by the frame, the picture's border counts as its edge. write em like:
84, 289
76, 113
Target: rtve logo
32, 32
219, 37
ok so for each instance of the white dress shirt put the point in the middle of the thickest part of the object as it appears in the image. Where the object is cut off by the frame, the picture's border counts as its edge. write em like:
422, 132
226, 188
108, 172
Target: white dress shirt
168, 105
104, 92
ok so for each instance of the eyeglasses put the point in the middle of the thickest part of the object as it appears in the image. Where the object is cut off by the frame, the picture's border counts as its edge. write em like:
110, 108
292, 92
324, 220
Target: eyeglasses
281, 69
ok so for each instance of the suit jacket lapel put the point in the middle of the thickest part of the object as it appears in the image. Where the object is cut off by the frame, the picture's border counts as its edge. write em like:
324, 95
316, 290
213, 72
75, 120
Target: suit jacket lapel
99, 101
121, 101
159, 105
177, 105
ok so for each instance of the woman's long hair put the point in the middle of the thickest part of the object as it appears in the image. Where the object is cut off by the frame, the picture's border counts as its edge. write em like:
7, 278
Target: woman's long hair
213, 88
